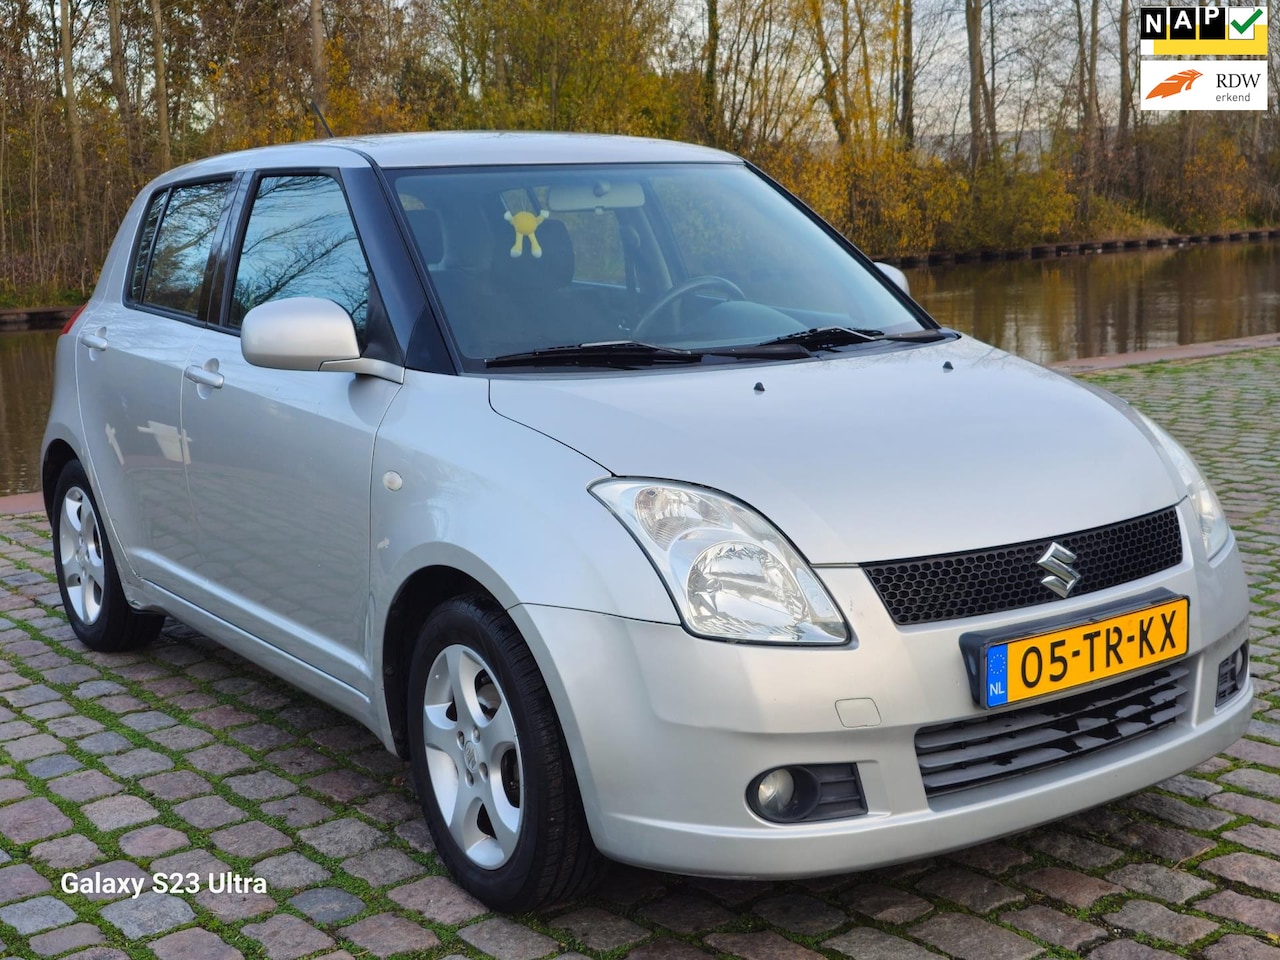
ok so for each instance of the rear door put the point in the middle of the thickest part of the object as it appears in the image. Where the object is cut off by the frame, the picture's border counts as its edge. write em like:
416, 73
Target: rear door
279, 460
129, 365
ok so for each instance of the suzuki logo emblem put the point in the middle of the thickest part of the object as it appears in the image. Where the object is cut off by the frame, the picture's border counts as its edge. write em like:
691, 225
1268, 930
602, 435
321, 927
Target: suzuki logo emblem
1062, 578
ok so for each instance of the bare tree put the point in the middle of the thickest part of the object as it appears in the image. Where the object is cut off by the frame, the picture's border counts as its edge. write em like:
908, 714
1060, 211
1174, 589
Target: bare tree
1126, 74
908, 82
980, 107
319, 72
711, 116
73, 126
162, 86
119, 81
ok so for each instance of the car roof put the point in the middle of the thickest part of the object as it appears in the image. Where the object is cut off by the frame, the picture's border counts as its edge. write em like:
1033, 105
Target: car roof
458, 148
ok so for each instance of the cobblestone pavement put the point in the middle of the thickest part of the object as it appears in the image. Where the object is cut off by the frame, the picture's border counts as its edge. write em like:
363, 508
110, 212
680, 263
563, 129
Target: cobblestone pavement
187, 759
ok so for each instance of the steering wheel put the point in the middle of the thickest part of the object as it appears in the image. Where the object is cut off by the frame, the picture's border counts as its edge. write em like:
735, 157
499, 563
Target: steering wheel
678, 291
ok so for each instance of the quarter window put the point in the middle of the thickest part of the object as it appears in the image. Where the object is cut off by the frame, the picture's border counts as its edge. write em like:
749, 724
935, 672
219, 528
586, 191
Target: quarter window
180, 250
137, 285
300, 242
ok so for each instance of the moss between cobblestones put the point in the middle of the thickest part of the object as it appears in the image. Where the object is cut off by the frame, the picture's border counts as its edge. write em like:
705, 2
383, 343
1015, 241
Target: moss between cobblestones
107, 841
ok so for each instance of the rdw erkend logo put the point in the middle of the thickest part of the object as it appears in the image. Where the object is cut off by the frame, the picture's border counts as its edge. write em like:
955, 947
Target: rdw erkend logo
1203, 84
1175, 84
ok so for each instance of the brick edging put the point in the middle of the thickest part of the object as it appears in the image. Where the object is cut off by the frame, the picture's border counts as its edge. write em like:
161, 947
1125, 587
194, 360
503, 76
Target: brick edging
22, 503
1189, 351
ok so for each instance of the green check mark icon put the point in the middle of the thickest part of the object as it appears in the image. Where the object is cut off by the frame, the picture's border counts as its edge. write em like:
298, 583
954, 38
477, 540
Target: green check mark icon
1242, 27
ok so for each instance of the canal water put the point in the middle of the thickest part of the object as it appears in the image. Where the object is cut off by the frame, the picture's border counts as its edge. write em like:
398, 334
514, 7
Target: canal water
1044, 310
1099, 304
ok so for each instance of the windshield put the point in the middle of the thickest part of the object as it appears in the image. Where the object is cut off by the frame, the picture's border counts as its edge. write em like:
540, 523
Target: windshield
683, 256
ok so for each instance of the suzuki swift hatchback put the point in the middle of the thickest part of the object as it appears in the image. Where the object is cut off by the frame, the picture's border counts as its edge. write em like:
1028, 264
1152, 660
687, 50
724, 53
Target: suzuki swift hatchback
639, 510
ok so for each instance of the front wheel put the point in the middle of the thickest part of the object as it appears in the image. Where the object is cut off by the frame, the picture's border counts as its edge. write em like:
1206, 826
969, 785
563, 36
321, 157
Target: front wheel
87, 577
490, 763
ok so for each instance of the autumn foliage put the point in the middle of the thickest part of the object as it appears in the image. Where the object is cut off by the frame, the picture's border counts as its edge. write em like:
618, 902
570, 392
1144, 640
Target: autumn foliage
877, 112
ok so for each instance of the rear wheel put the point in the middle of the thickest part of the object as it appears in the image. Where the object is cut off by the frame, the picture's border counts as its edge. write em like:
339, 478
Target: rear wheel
490, 763
87, 577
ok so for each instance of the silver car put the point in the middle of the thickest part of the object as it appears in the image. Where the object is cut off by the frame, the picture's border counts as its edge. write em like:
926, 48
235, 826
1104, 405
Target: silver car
635, 507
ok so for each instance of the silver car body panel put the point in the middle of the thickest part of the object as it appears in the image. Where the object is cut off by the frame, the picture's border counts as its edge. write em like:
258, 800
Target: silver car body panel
446, 149
298, 333
512, 512
885, 446
132, 430
279, 474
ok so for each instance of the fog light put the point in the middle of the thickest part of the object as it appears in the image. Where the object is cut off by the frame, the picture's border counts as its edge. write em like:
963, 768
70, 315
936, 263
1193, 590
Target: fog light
776, 790
807, 791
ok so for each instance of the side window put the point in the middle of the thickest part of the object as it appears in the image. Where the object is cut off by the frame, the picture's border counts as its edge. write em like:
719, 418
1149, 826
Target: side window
301, 242
142, 258
180, 250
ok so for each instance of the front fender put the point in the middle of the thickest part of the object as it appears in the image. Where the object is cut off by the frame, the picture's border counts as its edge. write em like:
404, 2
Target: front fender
500, 502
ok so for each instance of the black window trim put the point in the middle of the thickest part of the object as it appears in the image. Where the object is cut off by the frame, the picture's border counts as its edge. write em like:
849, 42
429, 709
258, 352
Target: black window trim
248, 192
229, 257
205, 283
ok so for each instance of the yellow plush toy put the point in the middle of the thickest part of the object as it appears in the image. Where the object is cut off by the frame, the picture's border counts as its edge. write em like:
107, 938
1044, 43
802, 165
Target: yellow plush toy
526, 225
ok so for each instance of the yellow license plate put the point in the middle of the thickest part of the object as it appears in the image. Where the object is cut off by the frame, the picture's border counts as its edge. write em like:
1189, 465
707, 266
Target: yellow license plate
1074, 656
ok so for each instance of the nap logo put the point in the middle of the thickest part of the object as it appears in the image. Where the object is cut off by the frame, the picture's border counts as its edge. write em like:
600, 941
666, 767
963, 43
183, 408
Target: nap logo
1210, 31
1203, 84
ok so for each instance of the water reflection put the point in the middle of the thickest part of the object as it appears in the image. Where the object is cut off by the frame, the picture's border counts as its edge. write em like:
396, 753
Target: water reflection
1041, 309
26, 384
1089, 306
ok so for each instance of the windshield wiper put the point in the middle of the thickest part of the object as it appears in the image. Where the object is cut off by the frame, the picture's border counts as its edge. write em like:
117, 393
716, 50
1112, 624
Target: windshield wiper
626, 353
921, 336
610, 353
824, 338
828, 338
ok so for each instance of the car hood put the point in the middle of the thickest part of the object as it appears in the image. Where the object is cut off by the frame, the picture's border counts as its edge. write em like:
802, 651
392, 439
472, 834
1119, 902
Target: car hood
908, 452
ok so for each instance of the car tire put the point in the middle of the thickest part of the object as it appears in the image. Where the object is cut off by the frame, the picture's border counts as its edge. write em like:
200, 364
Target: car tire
87, 577
490, 762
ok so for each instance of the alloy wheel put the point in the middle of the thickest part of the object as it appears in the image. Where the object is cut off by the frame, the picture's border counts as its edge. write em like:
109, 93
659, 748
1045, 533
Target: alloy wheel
473, 756
80, 550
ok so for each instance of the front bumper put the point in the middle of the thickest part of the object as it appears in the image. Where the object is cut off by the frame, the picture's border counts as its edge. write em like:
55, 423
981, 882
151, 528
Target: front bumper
666, 730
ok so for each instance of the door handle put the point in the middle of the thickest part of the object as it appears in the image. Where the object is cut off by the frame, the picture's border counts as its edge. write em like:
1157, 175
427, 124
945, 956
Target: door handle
207, 378
94, 341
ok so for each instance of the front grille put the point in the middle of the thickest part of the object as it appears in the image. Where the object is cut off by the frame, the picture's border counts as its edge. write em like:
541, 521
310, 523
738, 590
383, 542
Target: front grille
971, 584
970, 753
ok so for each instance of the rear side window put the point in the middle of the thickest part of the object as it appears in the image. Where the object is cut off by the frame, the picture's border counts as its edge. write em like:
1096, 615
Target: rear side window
138, 283
301, 242
176, 254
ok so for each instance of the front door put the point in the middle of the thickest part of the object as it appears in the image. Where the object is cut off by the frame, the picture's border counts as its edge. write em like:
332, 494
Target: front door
280, 461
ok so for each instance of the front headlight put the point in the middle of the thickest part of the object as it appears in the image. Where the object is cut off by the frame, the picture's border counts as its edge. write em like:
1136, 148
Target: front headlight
732, 574
1213, 522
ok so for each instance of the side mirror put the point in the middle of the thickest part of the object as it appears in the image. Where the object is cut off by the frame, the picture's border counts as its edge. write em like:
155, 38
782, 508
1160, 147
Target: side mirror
298, 333
897, 276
